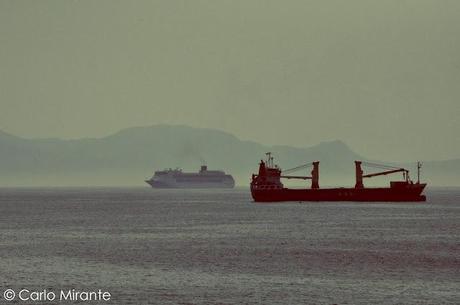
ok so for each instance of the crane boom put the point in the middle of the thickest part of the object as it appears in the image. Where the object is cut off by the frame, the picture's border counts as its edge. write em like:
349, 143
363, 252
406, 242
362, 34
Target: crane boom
294, 169
296, 177
385, 173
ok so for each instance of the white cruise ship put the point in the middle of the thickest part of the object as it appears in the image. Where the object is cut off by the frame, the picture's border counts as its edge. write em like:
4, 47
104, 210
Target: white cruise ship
176, 178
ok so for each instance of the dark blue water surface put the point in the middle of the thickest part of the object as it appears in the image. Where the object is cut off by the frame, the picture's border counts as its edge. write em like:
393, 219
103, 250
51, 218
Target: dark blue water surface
149, 246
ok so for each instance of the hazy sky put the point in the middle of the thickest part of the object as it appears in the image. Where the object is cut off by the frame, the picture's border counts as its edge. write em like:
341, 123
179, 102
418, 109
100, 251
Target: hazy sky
383, 76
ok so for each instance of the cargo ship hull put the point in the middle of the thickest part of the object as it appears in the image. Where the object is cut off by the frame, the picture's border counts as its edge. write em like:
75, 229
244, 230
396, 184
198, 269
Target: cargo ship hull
408, 194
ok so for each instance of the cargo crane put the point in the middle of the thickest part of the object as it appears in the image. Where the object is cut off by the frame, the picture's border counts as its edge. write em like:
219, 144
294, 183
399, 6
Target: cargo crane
314, 173
387, 171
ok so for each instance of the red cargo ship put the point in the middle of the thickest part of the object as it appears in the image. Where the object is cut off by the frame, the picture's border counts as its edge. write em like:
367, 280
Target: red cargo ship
266, 185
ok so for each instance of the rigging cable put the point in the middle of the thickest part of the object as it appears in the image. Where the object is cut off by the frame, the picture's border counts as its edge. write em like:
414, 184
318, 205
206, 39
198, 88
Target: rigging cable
294, 169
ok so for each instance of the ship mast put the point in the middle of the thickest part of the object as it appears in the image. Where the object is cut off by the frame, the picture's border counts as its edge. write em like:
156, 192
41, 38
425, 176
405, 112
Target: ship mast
419, 166
269, 159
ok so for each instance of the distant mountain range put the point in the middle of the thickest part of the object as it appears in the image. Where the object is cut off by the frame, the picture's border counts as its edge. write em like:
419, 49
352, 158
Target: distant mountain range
131, 155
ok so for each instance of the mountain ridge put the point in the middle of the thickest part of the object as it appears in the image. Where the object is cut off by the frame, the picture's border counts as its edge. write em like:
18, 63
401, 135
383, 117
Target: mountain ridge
128, 156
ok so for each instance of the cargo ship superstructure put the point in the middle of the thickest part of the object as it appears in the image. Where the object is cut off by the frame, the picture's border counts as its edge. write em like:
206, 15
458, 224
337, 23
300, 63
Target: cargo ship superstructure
176, 178
266, 186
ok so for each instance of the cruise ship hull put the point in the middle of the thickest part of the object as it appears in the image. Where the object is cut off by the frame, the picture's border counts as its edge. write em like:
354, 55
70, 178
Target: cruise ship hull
190, 185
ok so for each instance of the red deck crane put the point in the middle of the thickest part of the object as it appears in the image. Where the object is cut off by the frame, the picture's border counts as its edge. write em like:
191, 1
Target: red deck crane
389, 170
314, 174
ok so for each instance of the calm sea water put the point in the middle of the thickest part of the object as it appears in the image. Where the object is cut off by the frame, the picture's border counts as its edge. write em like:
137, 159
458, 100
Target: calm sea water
149, 246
